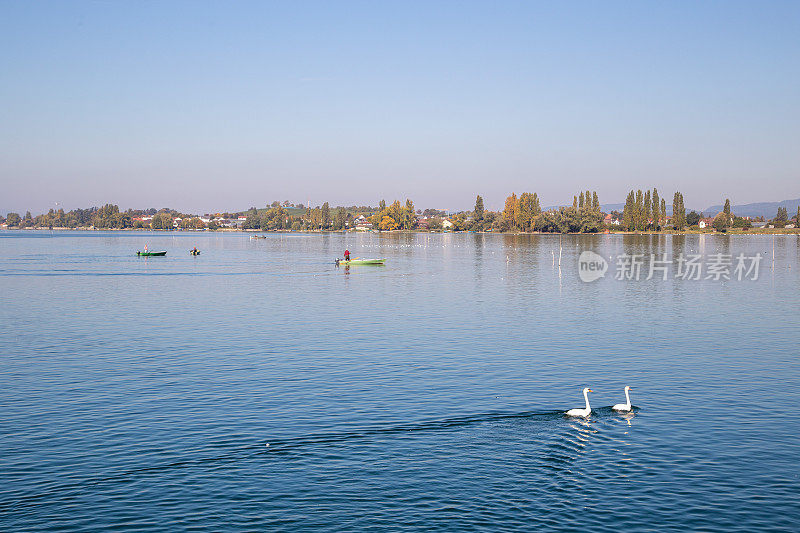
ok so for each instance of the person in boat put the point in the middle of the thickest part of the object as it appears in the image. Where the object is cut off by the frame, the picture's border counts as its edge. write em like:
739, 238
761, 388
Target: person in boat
347, 255
194, 250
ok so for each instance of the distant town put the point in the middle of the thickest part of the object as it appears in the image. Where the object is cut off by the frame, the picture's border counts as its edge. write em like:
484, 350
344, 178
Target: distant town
642, 212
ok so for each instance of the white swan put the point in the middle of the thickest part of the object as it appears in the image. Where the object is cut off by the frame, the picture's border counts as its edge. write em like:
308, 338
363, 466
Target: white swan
582, 412
624, 406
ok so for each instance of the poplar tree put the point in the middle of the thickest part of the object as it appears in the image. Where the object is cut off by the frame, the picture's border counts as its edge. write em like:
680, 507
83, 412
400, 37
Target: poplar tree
675, 210
409, 218
656, 217
521, 212
326, 215
727, 211
647, 208
628, 213
509, 212
339, 218
664, 210
639, 211
596, 202
678, 211
477, 214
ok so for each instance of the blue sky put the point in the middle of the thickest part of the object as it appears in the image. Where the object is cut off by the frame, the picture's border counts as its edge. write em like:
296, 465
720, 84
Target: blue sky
207, 106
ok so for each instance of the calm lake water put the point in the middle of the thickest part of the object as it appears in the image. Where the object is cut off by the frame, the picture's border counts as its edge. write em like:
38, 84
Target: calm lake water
428, 394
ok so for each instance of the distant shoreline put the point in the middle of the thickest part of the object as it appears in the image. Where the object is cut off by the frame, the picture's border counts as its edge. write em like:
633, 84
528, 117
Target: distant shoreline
751, 231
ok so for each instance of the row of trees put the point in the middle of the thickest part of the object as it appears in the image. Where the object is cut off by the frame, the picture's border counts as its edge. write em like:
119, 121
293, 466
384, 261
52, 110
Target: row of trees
394, 216
524, 213
782, 218
642, 211
108, 216
645, 211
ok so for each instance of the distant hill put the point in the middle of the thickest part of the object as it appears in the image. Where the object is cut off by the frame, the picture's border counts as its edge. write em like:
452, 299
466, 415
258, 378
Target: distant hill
767, 210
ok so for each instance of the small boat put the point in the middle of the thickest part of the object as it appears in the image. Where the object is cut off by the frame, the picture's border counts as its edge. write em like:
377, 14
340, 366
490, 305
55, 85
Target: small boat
151, 254
361, 262
258, 236
194, 252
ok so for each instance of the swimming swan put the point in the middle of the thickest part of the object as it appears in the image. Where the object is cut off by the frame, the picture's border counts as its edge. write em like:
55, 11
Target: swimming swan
582, 412
624, 406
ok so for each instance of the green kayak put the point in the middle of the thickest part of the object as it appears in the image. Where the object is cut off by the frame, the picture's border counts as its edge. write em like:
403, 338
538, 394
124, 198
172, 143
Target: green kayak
361, 262
150, 254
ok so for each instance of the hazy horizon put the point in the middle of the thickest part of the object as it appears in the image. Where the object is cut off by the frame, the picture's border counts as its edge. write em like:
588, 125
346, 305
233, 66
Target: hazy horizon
207, 107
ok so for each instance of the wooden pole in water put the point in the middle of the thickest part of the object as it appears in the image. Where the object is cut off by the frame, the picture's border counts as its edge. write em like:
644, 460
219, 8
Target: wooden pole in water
560, 236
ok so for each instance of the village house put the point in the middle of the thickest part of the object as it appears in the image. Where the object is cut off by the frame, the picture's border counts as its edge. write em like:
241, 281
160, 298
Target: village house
362, 224
609, 220
705, 222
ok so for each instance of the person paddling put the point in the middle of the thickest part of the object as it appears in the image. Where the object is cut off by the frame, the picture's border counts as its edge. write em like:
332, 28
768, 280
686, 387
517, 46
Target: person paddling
347, 255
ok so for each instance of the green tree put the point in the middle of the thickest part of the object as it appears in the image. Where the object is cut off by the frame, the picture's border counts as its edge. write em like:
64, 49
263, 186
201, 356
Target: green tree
326, 216
628, 215
678, 212
639, 210
409, 216
783, 215
253, 221
510, 213
13, 220
727, 210
720, 222
477, 213
647, 206
339, 218
693, 218
161, 221
526, 211
663, 210
655, 210
739, 222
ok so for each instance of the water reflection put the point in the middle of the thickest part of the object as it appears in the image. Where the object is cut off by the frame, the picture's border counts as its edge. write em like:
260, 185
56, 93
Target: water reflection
628, 417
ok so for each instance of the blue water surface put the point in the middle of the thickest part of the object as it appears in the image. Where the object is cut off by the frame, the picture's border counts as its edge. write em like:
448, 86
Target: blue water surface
259, 387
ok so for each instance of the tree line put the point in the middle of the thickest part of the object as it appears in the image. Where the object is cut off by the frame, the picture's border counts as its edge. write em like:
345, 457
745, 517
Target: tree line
524, 214
643, 211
